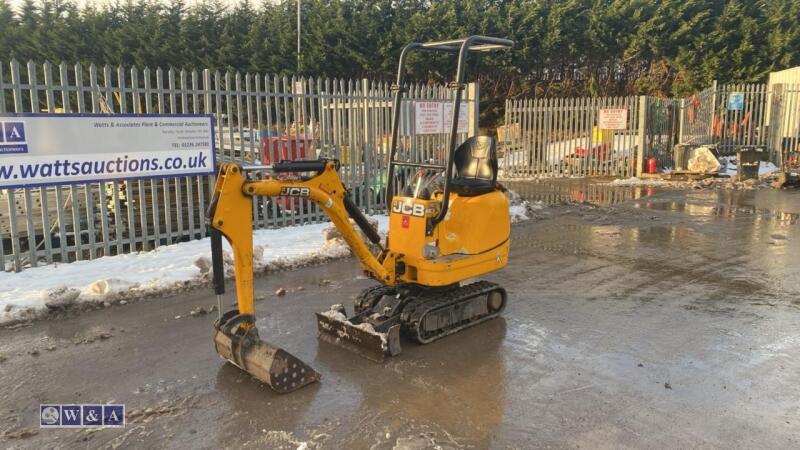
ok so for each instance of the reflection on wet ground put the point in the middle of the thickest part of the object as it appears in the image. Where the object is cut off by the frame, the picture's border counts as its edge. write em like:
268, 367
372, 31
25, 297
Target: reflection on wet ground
764, 205
577, 190
637, 318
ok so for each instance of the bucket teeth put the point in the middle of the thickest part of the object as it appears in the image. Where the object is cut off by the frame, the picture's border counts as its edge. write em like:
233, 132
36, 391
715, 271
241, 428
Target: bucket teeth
361, 338
276, 367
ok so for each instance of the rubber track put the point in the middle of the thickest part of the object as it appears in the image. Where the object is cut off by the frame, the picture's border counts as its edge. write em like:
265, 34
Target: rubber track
369, 297
416, 309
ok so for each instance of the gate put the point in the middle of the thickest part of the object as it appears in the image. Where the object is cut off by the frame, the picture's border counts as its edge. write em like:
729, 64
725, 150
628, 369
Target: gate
661, 130
570, 137
561, 137
784, 123
737, 123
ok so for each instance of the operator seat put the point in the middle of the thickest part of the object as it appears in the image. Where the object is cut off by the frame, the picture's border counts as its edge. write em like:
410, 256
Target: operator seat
476, 167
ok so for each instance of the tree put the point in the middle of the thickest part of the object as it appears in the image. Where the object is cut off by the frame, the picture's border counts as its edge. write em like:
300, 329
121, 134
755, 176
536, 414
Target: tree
563, 47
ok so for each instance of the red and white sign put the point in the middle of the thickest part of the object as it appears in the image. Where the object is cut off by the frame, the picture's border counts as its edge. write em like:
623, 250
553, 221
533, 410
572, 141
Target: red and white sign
428, 117
613, 119
436, 117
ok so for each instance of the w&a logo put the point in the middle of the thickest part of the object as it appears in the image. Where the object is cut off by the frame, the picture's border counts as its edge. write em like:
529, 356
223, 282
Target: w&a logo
12, 137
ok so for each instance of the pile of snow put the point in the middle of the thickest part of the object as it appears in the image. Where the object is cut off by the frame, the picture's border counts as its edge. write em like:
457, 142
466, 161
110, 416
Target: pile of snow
166, 269
520, 209
730, 168
173, 268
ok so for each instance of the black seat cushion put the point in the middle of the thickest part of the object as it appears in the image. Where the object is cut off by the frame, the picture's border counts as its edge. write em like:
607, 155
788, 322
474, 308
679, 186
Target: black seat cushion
476, 166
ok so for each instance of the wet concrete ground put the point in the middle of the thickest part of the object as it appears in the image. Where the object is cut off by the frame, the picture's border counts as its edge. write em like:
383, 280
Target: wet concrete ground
644, 318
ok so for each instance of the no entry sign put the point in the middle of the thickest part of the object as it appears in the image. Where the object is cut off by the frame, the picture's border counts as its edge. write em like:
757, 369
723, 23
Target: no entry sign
613, 119
436, 117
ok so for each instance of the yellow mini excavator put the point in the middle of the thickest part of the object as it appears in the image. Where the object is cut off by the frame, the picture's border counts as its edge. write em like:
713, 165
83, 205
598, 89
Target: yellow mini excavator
448, 224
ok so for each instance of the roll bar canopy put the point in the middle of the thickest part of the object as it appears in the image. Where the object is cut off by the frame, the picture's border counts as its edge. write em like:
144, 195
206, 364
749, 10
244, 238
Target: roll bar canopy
477, 44
462, 47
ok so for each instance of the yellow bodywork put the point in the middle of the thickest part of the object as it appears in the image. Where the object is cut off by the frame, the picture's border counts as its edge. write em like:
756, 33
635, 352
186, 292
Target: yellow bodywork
472, 239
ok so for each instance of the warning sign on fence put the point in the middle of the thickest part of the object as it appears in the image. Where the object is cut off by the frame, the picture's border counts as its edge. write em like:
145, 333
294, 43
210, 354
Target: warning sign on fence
463, 117
736, 101
428, 117
613, 119
437, 117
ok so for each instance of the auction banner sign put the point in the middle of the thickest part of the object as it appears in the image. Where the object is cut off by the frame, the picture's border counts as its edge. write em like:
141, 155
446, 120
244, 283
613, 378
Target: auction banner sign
52, 149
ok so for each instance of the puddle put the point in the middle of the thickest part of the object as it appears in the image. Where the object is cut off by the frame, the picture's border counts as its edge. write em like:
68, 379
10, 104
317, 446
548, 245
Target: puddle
577, 190
725, 211
773, 206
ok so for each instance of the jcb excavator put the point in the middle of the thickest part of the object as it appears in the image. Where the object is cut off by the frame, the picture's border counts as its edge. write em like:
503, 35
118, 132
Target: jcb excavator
449, 224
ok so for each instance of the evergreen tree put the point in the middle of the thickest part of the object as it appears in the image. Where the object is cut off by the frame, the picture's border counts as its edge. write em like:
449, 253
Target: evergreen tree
563, 47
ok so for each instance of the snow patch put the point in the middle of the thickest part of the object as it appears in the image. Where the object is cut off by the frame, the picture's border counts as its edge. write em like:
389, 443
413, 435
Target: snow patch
110, 286
335, 313
173, 268
730, 168
520, 209
164, 270
61, 297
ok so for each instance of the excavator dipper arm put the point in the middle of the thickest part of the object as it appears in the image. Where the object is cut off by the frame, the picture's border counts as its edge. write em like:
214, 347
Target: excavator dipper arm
231, 215
232, 209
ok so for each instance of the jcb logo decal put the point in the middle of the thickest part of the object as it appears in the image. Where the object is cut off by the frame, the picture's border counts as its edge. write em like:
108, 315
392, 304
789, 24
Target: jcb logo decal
413, 209
296, 191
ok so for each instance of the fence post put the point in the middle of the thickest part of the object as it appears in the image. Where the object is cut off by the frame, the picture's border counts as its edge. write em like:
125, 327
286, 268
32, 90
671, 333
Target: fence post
776, 125
713, 110
640, 137
681, 120
473, 94
364, 102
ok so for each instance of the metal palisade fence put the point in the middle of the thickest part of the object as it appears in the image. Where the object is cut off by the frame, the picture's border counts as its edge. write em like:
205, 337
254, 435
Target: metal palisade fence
259, 119
564, 137
569, 137
733, 115
728, 116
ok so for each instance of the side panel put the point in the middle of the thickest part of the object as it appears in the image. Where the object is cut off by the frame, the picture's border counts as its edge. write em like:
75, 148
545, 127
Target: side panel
474, 224
453, 269
472, 240
407, 220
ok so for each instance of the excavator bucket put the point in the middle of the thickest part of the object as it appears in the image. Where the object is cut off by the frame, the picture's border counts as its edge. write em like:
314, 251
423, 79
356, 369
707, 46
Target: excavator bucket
276, 367
236, 339
358, 335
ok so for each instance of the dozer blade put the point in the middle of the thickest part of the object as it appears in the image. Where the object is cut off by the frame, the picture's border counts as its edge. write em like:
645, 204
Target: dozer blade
361, 338
273, 366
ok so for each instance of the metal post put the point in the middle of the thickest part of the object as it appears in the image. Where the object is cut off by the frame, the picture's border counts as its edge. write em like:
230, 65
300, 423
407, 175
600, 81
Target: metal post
298, 36
364, 102
640, 138
681, 119
776, 125
473, 94
713, 111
